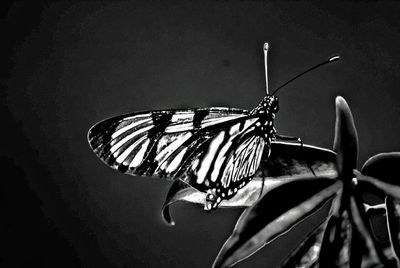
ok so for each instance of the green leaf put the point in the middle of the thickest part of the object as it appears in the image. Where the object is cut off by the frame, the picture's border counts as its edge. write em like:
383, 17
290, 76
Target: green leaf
383, 167
274, 215
287, 162
246, 197
376, 214
376, 186
290, 159
393, 222
335, 246
180, 191
346, 140
305, 255
365, 251
372, 210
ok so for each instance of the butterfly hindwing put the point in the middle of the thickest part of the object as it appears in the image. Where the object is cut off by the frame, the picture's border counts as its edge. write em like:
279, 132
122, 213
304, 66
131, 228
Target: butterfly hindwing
224, 163
139, 143
224, 160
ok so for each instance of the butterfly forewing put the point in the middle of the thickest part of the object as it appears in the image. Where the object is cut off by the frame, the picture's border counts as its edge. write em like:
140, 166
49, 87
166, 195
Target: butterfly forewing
143, 143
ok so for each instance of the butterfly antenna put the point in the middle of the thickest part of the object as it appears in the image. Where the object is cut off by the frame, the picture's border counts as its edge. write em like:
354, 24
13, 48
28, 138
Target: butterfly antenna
265, 48
332, 59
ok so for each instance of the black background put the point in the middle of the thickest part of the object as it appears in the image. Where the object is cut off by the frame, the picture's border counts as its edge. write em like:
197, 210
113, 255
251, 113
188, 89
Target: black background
69, 65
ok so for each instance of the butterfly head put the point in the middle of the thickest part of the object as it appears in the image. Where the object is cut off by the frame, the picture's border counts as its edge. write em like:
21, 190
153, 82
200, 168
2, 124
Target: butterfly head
269, 105
272, 103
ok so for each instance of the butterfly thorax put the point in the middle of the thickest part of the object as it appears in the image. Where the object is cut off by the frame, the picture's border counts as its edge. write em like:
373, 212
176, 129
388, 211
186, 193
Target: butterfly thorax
269, 106
266, 111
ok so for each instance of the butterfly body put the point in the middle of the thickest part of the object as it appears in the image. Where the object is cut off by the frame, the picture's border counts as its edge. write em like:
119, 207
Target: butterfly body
215, 150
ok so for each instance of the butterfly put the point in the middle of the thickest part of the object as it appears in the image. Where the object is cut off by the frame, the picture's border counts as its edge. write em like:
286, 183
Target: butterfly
214, 150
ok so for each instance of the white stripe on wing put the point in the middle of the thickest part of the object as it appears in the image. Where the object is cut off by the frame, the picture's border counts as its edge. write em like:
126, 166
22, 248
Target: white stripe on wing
208, 159
128, 137
130, 126
127, 151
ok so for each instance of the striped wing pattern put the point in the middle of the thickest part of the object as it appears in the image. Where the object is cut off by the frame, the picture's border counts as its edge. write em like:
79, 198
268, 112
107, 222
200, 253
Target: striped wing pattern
226, 161
129, 143
216, 148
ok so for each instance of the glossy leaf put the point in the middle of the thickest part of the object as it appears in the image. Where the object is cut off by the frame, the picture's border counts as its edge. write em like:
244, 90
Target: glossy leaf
246, 197
393, 222
384, 167
179, 191
372, 210
335, 245
346, 140
381, 180
348, 239
263, 222
288, 161
338, 234
365, 251
305, 255
376, 186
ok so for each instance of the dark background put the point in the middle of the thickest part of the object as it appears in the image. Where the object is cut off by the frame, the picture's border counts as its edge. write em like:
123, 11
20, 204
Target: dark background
69, 65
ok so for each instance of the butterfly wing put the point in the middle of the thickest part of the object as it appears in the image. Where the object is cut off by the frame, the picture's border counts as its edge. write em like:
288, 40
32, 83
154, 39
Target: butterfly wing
225, 160
143, 143
215, 150
219, 159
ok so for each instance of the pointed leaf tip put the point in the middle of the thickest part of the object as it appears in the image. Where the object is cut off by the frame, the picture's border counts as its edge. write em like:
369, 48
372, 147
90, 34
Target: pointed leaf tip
346, 139
178, 192
393, 219
166, 215
340, 101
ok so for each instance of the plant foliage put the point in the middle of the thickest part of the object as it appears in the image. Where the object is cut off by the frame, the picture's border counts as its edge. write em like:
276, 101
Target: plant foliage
345, 238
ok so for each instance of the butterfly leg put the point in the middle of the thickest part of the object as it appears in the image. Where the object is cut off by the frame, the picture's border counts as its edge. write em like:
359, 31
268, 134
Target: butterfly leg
289, 138
295, 139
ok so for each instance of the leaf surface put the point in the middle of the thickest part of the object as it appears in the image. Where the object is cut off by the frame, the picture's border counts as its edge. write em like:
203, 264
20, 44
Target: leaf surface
376, 186
287, 162
393, 222
346, 140
383, 167
274, 215
305, 255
